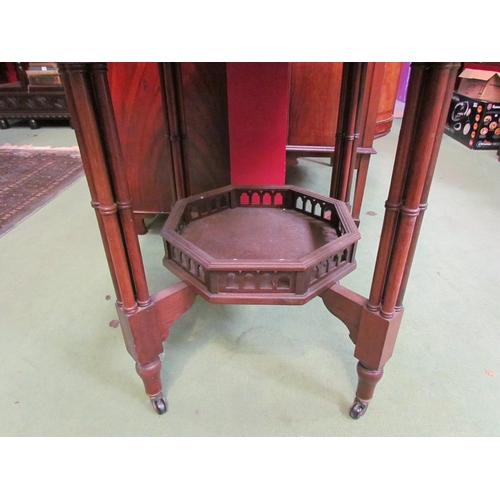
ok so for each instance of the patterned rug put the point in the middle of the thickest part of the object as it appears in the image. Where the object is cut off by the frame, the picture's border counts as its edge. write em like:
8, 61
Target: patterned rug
31, 177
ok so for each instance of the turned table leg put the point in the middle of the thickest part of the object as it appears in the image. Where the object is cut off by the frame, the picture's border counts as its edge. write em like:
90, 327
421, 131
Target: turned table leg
367, 380
374, 322
145, 320
150, 375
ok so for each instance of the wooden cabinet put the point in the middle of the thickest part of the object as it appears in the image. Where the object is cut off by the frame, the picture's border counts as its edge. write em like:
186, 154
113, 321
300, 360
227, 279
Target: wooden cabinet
172, 121
20, 99
385, 110
173, 128
314, 103
314, 106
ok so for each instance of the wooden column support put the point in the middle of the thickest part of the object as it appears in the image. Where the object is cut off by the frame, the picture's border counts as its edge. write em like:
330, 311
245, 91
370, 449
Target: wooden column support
145, 320
429, 92
146, 329
373, 335
346, 140
374, 323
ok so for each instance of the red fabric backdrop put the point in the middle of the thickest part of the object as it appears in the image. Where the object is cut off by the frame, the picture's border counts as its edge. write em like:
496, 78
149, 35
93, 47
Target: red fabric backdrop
258, 120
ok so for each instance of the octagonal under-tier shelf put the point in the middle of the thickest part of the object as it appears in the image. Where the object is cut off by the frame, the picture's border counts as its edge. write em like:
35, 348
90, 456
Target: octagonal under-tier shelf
260, 244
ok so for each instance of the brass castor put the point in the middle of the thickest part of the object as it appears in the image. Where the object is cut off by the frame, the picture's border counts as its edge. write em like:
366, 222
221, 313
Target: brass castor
159, 403
358, 409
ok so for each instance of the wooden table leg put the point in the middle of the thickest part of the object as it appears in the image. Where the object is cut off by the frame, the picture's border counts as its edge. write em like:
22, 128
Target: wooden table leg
374, 322
347, 135
145, 320
145, 331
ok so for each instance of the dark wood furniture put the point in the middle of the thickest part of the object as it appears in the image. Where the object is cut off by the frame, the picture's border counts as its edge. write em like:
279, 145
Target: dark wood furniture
187, 151
315, 103
373, 322
173, 128
21, 100
260, 244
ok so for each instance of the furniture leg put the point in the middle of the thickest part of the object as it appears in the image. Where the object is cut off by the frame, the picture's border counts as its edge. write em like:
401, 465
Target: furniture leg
373, 88
344, 155
75, 120
144, 332
33, 124
4, 124
140, 224
150, 375
374, 323
359, 189
428, 181
120, 184
366, 387
373, 335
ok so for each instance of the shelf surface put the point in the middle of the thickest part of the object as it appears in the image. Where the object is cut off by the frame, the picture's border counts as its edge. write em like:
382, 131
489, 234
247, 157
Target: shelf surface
259, 233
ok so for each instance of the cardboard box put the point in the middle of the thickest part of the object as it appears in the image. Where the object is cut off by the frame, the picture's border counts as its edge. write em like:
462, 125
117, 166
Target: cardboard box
474, 122
480, 84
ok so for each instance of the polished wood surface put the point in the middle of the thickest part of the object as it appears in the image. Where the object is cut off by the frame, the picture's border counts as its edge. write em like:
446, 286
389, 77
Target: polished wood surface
260, 244
388, 94
352, 92
137, 101
314, 103
204, 96
172, 124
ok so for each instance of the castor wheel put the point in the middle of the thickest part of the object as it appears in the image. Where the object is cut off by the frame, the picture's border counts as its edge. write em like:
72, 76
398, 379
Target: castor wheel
358, 409
34, 125
159, 403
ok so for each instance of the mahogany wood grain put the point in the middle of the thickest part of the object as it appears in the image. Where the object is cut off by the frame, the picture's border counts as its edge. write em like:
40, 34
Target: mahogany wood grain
173, 128
171, 304
204, 98
388, 94
138, 107
347, 135
123, 200
88, 173
434, 92
314, 103
81, 86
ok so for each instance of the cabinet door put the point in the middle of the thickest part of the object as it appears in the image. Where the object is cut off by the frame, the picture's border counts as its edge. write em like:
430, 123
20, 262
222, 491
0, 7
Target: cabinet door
199, 96
314, 105
204, 101
137, 101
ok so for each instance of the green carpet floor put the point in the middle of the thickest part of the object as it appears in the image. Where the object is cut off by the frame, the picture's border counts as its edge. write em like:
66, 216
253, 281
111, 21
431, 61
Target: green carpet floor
256, 370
